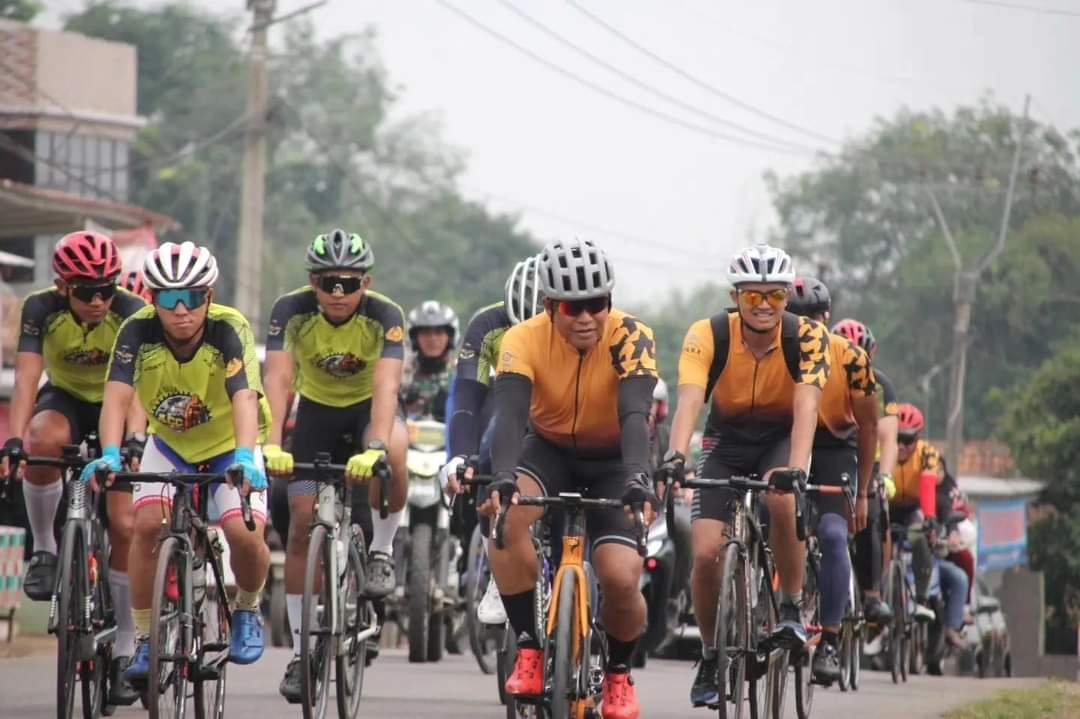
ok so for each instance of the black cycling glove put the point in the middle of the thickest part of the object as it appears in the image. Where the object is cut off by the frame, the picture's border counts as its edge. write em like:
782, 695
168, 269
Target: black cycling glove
638, 491
673, 468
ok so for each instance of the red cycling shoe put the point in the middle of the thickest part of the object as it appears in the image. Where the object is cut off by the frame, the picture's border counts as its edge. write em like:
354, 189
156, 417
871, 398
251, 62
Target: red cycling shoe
528, 676
620, 696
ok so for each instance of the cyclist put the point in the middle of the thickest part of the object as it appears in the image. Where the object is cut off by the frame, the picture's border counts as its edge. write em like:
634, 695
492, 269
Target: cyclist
591, 438
470, 415
844, 448
763, 370
869, 542
919, 472
67, 332
433, 331
339, 344
133, 283
191, 365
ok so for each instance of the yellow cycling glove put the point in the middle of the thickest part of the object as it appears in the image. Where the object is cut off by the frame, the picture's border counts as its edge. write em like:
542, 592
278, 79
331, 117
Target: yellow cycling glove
362, 466
277, 461
889, 485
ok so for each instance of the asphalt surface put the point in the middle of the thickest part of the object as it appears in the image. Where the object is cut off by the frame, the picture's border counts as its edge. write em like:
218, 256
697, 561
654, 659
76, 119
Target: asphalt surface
455, 689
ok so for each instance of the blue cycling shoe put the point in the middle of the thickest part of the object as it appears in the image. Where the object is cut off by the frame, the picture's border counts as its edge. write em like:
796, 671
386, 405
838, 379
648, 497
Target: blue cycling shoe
138, 669
247, 642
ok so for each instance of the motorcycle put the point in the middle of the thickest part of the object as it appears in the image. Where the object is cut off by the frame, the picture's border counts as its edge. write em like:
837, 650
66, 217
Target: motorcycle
665, 584
426, 603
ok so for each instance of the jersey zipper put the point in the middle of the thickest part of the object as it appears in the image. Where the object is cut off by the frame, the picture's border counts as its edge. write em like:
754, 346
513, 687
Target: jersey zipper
753, 387
577, 387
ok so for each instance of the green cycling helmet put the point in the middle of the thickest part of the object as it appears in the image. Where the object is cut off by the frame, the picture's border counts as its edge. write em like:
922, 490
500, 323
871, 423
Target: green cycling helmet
340, 250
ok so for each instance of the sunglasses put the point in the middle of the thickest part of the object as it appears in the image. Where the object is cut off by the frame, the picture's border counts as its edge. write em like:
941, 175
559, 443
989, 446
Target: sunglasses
171, 299
906, 438
337, 283
87, 293
593, 305
775, 298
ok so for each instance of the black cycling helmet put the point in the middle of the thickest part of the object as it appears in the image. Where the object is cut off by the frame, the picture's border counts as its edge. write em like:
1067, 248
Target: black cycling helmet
809, 297
339, 250
432, 313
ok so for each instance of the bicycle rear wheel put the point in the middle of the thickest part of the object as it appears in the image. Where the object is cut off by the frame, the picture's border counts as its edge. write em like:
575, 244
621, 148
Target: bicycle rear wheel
68, 612
729, 637
560, 650
213, 632
358, 614
167, 685
316, 628
482, 640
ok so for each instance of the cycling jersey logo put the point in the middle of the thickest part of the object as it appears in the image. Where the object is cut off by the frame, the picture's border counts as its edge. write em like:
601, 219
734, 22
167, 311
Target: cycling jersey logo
892, 409
466, 354
633, 351
341, 366
87, 358
395, 333
31, 329
181, 411
233, 368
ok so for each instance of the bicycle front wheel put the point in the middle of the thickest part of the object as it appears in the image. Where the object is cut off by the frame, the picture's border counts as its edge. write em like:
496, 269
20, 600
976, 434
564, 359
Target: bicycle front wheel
213, 630
730, 636
316, 627
564, 671
482, 640
167, 684
68, 613
358, 615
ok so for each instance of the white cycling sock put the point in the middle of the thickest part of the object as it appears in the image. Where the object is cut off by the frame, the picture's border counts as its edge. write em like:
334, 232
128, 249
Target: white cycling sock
120, 589
382, 539
41, 504
294, 607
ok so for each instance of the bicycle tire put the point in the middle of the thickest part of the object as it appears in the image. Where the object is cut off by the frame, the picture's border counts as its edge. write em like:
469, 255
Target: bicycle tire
213, 632
357, 615
167, 683
847, 634
95, 690
68, 609
763, 615
316, 645
564, 674
802, 664
729, 636
418, 593
481, 641
506, 657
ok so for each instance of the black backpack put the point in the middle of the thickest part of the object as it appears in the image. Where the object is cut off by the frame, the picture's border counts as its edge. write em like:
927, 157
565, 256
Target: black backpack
789, 343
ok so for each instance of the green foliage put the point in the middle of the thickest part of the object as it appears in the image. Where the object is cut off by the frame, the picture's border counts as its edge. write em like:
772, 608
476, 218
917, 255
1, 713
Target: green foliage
865, 219
20, 10
1053, 700
334, 160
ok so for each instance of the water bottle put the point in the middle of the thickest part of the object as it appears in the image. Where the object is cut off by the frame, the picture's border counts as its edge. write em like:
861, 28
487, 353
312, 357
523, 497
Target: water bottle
342, 556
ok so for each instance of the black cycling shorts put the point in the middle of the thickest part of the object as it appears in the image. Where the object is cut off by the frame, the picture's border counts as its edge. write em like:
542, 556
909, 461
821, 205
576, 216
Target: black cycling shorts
561, 470
82, 416
725, 460
828, 466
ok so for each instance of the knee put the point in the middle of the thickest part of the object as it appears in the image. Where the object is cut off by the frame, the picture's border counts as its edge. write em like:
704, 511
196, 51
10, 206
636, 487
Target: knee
121, 528
620, 583
146, 526
48, 432
832, 534
706, 559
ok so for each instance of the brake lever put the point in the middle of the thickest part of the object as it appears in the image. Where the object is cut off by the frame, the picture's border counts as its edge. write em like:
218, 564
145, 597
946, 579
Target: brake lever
643, 531
498, 529
236, 477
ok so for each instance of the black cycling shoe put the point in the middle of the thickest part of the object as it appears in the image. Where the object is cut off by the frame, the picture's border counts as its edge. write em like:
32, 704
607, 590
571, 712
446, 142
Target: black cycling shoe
121, 692
290, 683
877, 611
40, 578
826, 667
706, 689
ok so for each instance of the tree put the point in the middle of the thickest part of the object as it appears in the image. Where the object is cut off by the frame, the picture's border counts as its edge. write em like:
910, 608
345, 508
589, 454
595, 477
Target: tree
1042, 427
20, 10
864, 220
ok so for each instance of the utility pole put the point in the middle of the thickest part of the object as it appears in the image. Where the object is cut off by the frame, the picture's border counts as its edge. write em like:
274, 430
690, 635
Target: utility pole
965, 282
253, 194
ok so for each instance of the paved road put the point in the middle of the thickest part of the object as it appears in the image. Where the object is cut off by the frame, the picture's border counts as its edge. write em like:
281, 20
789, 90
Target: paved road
455, 689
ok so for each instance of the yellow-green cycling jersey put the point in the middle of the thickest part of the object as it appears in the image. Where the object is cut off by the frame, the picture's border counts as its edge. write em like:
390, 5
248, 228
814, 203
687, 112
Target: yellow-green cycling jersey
189, 403
76, 357
335, 364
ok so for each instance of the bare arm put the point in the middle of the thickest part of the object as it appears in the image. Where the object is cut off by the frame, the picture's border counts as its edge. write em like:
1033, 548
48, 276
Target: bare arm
245, 405
136, 417
119, 397
28, 369
805, 405
280, 374
384, 401
865, 410
887, 428
691, 402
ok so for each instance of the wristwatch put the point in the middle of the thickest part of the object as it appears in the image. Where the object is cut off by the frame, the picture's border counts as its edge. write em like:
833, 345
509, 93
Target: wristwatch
377, 444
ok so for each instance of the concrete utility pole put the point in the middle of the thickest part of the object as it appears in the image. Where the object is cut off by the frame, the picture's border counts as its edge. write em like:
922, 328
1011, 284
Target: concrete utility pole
965, 281
253, 194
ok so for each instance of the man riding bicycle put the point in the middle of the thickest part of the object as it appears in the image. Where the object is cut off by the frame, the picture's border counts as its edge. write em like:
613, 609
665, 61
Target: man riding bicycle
763, 370
67, 332
844, 448
191, 365
339, 345
469, 432
433, 332
580, 378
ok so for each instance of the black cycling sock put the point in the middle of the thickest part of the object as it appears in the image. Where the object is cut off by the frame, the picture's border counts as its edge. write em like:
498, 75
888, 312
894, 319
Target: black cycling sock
619, 652
520, 610
830, 637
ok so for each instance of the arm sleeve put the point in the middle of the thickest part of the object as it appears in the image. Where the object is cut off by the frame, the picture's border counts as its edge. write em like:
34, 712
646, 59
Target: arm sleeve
393, 322
280, 315
814, 361
35, 312
696, 357
887, 394
125, 352
238, 353
635, 398
472, 346
468, 401
513, 395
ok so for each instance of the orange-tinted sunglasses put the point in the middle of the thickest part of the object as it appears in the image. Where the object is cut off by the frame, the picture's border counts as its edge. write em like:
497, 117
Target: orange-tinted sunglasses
775, 298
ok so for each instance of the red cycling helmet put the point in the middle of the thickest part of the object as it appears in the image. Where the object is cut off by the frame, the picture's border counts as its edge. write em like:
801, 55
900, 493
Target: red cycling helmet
858, 333
133, 283
911, 418
86, 255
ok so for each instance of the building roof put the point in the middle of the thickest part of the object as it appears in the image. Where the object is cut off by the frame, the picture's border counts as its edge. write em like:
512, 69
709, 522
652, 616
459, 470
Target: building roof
27, 211
997, 487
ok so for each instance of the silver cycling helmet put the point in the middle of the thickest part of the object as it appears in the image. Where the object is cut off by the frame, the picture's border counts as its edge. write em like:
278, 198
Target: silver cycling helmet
432, 313
184, 266
575, 270
523, 295
339, 250
761, 263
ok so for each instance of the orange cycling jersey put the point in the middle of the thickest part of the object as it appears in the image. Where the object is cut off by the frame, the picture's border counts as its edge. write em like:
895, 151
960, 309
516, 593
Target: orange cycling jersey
925, 457
836, 413
752, 399
575, 395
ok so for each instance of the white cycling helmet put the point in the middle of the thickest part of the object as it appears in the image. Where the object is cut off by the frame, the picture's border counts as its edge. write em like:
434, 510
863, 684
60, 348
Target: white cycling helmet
575, 270
182, 266
523, 295
761, 263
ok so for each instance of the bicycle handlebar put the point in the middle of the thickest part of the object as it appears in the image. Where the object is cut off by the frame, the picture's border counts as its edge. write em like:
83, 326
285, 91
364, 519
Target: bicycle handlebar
234, 477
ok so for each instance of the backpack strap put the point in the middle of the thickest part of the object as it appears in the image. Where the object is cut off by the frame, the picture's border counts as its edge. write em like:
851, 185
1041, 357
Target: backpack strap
789, 343
721, 332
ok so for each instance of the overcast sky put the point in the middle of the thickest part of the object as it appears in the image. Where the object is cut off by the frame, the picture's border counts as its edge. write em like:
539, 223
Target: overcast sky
670, 203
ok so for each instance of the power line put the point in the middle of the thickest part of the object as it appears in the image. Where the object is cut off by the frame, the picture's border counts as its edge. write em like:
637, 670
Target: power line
698, 81
645, 86
595, 87
1029, 8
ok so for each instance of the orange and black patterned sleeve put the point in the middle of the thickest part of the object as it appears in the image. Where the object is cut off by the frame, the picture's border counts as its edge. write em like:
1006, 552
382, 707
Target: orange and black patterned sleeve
814, 363
633, 349
860, 376
696, 358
